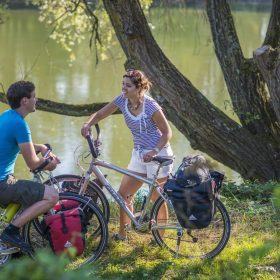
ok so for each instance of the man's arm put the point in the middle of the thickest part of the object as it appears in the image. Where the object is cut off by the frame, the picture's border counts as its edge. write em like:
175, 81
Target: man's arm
32, 160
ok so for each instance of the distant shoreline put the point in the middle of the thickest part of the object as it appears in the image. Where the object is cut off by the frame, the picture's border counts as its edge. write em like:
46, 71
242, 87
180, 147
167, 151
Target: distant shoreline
255, 5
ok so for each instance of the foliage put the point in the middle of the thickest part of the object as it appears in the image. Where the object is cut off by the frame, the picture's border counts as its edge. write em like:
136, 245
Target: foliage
46, 266
252, 190
76, 21
276, 194
3, 12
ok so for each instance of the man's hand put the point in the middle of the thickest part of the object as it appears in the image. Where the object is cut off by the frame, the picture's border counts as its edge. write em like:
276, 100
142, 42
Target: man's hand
52, 165
43, 149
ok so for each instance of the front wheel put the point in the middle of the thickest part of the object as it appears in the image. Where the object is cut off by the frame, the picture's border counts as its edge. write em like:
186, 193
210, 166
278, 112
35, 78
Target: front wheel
190, 243
95, 237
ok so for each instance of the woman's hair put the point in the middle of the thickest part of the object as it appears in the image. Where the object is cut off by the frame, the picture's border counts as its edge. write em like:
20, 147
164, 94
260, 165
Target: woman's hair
138, 78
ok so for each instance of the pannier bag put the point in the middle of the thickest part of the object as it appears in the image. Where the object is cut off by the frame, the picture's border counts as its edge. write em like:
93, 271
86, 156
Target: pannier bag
66, 229
193, 194
66, 204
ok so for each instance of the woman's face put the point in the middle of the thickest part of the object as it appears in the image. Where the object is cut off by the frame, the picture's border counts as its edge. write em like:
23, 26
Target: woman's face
129, 89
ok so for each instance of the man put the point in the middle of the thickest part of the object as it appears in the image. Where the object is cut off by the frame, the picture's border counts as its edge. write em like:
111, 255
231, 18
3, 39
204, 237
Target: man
15, 136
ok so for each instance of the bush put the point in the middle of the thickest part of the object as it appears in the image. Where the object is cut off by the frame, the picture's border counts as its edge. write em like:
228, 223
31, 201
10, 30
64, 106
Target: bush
255, 190
46, 266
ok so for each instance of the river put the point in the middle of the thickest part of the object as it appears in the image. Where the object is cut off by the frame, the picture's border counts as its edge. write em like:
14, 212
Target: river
26, 53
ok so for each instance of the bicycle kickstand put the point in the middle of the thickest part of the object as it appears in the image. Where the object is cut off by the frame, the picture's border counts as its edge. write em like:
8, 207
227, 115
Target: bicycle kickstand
179, 235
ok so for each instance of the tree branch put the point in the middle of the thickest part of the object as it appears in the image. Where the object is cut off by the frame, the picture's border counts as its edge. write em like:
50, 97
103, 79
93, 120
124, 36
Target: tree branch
62, 108
272, 37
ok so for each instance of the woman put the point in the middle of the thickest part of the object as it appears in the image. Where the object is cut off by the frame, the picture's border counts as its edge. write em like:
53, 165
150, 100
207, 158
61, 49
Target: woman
151, 134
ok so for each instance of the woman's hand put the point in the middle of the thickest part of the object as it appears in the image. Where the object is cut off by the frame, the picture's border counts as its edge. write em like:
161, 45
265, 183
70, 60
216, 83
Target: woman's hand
85, 129
149, 156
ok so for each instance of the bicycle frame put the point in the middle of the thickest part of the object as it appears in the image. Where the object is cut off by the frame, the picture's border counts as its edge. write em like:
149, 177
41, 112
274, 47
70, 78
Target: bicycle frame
93, 168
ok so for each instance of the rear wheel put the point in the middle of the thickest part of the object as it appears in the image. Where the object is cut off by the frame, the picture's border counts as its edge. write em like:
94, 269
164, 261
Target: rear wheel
73, 183
96, 236
193, 243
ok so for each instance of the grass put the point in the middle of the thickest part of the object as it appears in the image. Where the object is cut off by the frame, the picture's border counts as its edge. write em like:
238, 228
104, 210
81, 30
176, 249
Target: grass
253, 251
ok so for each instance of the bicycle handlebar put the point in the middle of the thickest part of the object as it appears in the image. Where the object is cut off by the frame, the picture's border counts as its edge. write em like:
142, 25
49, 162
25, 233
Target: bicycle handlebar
93, 149
46, 162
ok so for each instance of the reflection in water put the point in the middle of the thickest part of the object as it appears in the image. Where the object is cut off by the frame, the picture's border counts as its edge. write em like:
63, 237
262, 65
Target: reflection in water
187, 42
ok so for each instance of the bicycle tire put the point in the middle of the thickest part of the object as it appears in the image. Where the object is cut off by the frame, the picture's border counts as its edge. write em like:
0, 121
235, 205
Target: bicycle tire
196, 243
93, 190
96, 237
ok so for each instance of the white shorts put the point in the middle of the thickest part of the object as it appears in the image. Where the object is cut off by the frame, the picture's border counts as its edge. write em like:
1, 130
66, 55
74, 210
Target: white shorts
150, 168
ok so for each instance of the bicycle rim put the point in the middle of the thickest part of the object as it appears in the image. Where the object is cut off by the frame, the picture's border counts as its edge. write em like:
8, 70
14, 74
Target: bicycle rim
197, 243
96, 237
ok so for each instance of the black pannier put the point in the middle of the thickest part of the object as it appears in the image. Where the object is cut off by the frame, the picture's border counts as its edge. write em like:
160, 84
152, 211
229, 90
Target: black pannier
193, 194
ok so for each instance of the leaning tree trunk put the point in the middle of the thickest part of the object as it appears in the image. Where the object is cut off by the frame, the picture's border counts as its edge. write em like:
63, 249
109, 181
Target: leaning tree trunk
249, 149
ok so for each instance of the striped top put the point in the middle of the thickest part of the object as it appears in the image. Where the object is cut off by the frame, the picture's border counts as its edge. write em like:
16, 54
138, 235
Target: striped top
145, 133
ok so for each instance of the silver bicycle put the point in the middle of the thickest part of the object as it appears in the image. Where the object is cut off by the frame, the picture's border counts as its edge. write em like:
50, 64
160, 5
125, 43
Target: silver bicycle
166, 230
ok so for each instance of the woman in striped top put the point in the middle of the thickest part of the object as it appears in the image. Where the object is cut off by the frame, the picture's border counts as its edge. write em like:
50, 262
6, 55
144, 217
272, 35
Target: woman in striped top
151, 134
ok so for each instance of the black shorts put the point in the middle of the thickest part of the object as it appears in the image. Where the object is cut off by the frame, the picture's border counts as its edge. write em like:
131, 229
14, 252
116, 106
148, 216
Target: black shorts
24, 192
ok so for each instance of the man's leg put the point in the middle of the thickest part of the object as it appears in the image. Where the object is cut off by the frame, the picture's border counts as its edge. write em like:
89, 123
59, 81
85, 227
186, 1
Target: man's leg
49, 200
11, 234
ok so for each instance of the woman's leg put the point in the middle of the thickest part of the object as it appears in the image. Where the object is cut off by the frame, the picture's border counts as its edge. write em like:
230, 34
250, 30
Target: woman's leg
163, 211
128, 188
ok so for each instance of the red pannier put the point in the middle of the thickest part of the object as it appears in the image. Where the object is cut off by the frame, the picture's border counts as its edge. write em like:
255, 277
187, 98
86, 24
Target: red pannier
66, 228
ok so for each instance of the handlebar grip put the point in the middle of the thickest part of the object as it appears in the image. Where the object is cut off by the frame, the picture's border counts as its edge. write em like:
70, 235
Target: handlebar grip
42, 166
92, 147
97, 130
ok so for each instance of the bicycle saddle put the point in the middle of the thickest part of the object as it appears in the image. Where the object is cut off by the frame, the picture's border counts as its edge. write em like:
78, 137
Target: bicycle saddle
164, 161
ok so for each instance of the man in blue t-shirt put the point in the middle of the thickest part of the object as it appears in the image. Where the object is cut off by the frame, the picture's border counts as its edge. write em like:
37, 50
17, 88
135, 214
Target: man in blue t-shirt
15, 137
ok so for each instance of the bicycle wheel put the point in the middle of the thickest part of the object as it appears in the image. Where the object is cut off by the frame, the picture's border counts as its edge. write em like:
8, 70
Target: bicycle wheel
73, 183
193, 243
96, 237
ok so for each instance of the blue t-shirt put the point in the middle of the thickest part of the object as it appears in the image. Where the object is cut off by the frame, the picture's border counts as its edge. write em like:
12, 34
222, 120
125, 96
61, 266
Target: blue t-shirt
13, 131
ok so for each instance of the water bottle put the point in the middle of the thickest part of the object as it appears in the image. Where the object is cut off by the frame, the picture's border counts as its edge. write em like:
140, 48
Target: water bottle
10, 211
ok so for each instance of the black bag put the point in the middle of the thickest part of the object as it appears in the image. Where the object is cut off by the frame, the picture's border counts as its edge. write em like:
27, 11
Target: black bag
194, 205
193, 199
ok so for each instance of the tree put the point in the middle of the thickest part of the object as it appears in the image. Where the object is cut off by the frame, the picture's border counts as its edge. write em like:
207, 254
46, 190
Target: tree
251, 147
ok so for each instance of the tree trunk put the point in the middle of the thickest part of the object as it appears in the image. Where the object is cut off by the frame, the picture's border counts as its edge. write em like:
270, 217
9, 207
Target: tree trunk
268, 61
242, 148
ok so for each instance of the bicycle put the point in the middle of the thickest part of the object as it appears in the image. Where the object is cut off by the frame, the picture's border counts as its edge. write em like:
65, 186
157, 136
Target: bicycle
202, 243
33, 232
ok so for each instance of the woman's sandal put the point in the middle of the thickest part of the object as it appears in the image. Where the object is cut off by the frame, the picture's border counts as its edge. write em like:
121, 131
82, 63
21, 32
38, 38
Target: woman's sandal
118, 237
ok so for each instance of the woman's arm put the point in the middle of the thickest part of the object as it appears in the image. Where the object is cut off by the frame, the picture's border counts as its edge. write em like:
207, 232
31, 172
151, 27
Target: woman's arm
162, 124
104, 112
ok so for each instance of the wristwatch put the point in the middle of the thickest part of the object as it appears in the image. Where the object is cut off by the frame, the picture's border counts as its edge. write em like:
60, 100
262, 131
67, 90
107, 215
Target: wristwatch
156, 149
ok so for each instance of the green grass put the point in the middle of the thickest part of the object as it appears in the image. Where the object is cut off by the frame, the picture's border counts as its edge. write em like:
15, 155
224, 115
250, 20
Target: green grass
253, 251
